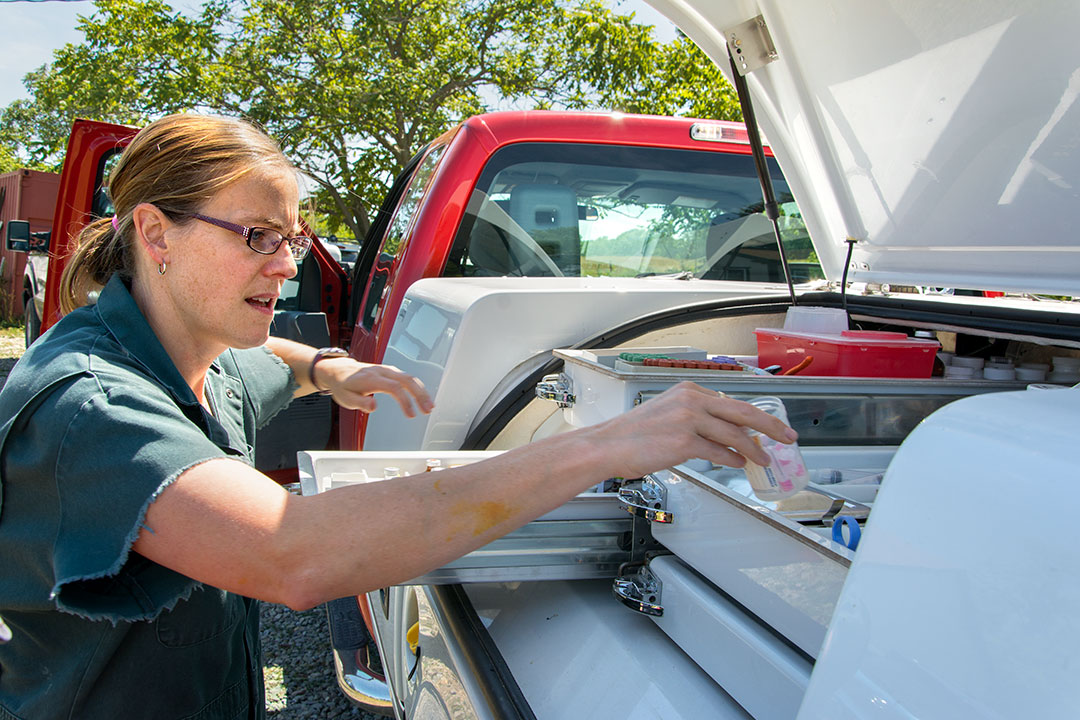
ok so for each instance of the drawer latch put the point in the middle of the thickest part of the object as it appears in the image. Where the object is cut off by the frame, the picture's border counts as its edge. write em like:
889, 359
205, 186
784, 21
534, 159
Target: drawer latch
556, 388
639, 590
646, 498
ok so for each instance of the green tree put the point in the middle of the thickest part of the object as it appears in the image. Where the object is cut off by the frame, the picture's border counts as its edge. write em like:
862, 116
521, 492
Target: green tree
352, 89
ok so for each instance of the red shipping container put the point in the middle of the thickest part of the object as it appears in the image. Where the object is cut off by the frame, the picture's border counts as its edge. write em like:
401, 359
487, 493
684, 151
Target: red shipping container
24, 195
852, 353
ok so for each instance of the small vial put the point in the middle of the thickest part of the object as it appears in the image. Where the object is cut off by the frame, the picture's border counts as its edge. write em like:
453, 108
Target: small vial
433, 465
389, 473
787, 474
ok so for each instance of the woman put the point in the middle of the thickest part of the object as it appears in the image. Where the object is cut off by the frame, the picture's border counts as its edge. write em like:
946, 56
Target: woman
135, 533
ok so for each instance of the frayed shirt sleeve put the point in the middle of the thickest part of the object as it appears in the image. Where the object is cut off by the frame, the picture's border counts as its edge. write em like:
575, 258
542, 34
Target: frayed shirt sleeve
115, 452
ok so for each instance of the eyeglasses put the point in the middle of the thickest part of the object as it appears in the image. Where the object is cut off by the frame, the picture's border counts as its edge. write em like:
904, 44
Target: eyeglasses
264, 241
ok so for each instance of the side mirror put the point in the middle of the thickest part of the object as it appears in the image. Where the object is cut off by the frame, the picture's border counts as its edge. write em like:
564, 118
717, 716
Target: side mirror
587, 212
18, 235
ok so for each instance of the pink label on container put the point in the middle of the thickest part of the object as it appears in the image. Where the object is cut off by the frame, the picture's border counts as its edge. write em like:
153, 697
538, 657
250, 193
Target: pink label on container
787, 469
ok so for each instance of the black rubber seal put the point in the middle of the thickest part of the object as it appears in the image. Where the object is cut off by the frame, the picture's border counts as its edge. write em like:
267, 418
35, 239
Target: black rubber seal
482, 658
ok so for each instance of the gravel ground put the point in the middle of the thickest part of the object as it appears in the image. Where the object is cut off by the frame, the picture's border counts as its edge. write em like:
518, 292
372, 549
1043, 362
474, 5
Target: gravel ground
297, 664
299, 671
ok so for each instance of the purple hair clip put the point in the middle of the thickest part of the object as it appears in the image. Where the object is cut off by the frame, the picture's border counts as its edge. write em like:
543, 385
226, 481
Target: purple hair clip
115, 224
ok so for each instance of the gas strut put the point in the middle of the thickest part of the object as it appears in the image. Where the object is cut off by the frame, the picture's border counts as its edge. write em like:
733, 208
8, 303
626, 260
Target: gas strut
772, 211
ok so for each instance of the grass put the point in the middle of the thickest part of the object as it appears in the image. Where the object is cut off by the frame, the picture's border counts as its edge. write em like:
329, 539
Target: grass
12, 344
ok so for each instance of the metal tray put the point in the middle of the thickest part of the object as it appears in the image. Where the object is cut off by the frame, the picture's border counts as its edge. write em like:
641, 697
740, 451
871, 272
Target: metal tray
825, 410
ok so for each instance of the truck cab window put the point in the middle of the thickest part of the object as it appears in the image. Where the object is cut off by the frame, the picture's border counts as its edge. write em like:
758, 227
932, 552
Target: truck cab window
548, 209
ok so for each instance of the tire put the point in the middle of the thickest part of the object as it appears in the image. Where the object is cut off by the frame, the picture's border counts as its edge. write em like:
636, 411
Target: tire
31, 322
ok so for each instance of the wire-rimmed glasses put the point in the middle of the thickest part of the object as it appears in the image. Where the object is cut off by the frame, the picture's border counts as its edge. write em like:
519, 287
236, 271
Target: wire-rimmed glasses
264, 241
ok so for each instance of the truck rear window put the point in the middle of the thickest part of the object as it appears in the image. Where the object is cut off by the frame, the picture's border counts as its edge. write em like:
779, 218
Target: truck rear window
550, 209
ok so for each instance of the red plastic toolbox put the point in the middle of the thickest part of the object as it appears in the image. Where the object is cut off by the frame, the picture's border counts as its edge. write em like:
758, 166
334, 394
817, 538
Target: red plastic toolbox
852, 353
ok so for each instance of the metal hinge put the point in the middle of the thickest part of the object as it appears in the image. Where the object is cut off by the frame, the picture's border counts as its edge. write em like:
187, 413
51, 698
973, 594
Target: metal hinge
640, 591
557, 388
646, 498
751, 45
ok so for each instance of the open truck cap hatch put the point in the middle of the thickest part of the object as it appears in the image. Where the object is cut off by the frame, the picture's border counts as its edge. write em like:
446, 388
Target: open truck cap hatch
943, 143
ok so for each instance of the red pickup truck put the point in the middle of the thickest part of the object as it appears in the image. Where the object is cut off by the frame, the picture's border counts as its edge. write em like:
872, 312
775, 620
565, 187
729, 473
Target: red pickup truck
508, 194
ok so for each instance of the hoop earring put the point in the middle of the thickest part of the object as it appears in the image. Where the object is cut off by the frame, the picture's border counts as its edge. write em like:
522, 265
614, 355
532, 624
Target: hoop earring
161, 268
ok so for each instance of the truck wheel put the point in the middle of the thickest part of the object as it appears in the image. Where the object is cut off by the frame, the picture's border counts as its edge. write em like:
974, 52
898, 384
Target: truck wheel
31, 322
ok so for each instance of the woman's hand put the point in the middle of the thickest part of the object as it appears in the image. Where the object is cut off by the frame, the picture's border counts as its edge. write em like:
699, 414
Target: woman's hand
687, 421
353, 385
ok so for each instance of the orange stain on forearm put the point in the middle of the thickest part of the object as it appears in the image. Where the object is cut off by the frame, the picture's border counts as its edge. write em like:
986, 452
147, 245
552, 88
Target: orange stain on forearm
478, 518
489, 514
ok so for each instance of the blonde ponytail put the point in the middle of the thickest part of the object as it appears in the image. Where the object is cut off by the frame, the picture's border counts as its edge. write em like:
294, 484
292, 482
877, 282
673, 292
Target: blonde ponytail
101, 251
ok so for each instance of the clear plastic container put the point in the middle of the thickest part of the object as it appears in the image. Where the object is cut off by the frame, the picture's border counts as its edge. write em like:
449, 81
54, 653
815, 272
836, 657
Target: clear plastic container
816, 319
787, 474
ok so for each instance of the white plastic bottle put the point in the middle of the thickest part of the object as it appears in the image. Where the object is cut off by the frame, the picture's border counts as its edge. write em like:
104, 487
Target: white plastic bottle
787, 474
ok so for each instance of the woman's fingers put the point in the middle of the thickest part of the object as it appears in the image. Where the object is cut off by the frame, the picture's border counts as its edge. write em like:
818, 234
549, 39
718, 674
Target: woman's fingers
742, 413
721, 423
736, 417
356, 390
406, 389
688, 421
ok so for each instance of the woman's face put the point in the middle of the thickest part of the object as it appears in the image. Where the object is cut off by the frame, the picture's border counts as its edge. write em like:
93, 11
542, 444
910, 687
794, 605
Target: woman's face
223, 292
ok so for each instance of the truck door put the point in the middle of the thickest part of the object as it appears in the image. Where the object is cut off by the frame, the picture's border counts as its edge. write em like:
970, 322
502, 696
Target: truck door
385, 242
375, 270
91, 149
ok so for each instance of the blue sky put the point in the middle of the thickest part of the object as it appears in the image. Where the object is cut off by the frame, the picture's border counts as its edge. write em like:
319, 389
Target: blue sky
33, 30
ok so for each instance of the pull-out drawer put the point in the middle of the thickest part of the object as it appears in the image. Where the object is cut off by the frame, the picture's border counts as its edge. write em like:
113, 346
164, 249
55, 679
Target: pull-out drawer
588, 537
777, 559
749, 660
